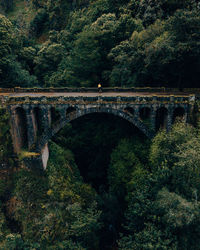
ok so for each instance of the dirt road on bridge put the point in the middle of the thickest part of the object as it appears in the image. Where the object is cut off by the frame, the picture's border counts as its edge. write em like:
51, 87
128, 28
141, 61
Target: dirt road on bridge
93, 94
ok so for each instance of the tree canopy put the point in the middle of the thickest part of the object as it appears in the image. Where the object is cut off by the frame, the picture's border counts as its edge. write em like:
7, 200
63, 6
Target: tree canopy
120, 43
106, 185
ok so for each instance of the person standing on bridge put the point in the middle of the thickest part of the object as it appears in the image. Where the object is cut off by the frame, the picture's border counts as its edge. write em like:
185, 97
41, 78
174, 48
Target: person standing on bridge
99, 88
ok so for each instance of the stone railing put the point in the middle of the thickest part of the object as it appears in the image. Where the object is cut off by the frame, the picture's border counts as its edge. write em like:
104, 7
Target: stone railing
114, 89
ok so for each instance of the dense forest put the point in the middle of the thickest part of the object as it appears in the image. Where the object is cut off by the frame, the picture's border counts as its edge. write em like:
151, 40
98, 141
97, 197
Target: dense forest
81, 42
106, 185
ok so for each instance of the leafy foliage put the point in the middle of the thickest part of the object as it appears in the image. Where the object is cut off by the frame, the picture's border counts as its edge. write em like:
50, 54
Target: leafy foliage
11, 71
163, 208
112, 191
120, 43
55, 208
6, 5
150, 199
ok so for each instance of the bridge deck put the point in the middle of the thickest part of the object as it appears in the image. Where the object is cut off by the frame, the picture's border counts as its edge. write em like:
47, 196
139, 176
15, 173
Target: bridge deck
93, 94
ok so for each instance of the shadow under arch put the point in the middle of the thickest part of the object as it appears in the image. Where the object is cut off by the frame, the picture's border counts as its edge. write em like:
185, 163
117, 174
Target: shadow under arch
37, 121
81, 112
161, 118
21, 131
179, 113
145, 113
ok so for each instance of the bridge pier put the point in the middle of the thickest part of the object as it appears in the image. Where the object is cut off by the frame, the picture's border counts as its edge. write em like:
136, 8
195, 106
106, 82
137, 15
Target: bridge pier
15, 132
153, 119
19, 128
31, 128
62, 112
170, 118
45, 156
137, 112
186, 115
46, 117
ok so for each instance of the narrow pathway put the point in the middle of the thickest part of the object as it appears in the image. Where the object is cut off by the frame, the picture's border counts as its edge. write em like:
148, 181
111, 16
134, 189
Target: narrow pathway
93, 94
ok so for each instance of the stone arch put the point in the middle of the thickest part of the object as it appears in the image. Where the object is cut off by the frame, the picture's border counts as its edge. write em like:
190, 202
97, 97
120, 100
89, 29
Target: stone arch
69, 111
20, 129
179, 113
145, 116
37, 121
145, 113
54, 116
129, 110
81, 112
161, 118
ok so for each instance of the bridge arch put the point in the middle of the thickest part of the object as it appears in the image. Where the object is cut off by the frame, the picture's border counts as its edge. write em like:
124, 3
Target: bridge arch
20, 128
70, 110
145, 113
37, 121
54, 116
129, 110
179, 113
82, 112
161, 118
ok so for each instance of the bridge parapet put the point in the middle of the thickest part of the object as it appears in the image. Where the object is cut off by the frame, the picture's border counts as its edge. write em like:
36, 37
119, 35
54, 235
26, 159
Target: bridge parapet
97, 99
105, 89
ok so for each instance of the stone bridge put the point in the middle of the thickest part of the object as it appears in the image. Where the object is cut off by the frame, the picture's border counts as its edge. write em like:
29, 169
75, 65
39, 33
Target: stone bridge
37, 116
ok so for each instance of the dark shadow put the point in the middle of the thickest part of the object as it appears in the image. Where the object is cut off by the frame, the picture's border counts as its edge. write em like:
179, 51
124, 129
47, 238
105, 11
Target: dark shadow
161, 118
145, 116
145, 113
92, 139
129, 110
178, 114
70, 111
39, 128
55, 116
21, 122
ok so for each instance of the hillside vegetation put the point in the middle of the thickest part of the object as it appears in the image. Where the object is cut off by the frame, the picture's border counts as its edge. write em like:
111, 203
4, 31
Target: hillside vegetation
120, 43
106, 186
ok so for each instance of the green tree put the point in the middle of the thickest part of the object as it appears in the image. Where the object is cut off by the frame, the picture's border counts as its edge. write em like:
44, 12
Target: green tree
6, 148
38, 3
7, 5
150, 11
55, 207
11, 71
47, 60
123, 164
163, 206
3, 227
39, 22
128, 58
150, 56
87, 62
